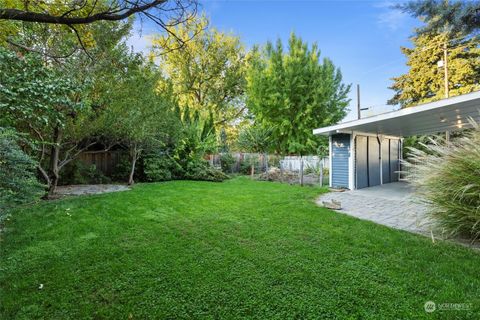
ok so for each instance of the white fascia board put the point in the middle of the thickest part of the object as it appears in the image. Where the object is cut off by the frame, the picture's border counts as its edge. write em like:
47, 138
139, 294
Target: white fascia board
399, 113
368, 134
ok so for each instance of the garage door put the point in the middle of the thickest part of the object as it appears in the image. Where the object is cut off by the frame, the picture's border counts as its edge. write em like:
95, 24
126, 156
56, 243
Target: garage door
368, 161
361, 162
373, 161
386, 161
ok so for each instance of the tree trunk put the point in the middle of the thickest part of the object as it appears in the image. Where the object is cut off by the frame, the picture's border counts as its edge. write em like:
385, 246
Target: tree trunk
134, 157
301, 170
252, 170
54, 159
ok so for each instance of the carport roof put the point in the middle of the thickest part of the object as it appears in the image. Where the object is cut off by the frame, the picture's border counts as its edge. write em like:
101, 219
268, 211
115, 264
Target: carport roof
439, 116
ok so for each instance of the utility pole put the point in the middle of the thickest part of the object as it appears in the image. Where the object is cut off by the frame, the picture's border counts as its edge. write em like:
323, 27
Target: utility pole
358, 101
445, 68
445, 55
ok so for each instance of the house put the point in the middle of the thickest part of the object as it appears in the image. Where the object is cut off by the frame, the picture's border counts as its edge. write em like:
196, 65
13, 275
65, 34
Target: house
367, 152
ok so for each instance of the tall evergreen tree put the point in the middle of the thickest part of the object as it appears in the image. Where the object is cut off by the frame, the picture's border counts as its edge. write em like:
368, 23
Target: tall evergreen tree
294, 92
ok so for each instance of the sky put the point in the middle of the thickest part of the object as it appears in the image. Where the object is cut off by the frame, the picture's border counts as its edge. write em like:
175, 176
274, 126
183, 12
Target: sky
362, 38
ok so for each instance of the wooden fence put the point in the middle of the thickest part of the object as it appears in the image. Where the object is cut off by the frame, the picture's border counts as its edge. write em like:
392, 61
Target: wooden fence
105, 161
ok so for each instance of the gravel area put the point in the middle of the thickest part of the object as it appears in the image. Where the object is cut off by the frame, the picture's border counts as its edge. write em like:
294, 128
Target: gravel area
78, 190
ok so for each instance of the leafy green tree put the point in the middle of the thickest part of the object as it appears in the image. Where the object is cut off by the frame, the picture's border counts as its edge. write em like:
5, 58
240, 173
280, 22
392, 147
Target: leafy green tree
294, 92
424, 81
18, 183
206, 68
46, 104
137, 114
57, 101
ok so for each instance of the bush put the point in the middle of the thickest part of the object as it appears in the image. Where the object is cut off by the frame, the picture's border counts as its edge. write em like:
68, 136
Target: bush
18, 183
227, 161
158, 168
201, 170
121, 170
164, 168
78, 172
447, 175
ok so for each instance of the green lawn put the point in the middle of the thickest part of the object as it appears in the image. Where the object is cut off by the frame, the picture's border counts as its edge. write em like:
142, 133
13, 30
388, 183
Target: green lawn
238, 249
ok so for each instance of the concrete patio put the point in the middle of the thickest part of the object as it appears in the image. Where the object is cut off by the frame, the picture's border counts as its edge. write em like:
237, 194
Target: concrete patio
392, 204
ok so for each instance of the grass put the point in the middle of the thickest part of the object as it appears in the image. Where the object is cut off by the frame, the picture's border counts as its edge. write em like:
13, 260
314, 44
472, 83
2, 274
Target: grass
238, 249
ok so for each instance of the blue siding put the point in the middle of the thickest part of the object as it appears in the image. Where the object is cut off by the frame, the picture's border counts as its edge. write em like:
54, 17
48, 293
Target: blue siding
340, 155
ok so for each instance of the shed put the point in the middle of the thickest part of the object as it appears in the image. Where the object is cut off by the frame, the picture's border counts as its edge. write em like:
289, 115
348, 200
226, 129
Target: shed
367, 152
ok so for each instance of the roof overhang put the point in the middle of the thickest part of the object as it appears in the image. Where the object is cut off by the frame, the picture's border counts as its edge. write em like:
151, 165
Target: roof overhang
445, 115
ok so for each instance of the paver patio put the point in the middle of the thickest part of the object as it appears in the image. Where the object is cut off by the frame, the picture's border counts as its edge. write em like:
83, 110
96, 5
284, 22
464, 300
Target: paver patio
392, 204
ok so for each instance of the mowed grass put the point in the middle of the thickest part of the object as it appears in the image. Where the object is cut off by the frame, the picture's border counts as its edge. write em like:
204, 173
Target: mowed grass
238, 249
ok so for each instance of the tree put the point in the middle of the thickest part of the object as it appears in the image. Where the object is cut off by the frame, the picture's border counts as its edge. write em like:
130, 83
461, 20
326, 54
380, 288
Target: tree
424, 81
46, 104
460, 16
255, 139
57, 102
293, 93
137, 114
207, 73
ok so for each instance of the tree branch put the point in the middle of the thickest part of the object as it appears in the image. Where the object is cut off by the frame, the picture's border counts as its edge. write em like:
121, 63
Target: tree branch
29, 16
47, 54
67, 160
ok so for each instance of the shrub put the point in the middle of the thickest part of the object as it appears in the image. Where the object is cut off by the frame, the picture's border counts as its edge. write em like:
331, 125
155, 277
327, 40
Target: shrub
201, 170
121, 170
158, 168
18, 183
78, 172
227, 160
447, 175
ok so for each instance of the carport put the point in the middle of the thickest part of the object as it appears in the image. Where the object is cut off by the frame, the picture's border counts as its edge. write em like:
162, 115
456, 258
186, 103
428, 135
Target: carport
367, 152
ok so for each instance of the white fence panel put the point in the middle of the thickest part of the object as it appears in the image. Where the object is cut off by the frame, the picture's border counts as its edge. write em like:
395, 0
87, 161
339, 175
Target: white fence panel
292, 163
